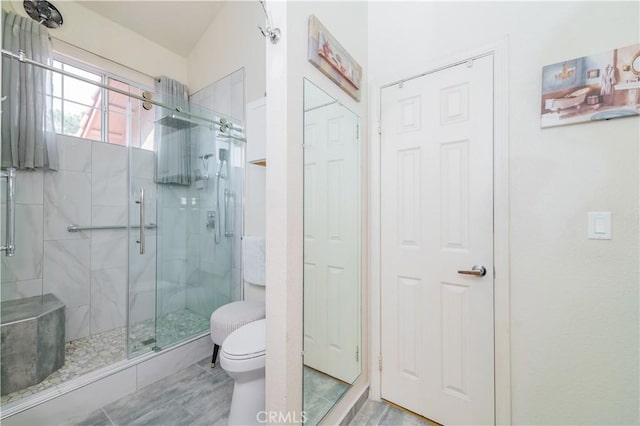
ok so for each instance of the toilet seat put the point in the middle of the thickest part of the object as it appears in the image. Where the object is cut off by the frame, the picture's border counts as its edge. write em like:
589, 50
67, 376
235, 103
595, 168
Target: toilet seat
244, 349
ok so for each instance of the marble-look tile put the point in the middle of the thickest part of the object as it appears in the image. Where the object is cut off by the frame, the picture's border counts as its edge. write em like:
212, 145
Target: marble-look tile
200, 299
173, 229
77, 322
170, 297
108, 174
142, 267
28, 260
143, 163
74, 154
108, 249
142, 306
172, 195
108, 299
109, 215
196, 220
67, 200
29, 187
97, 418
20, 289
67, 270
193, 259
173, 272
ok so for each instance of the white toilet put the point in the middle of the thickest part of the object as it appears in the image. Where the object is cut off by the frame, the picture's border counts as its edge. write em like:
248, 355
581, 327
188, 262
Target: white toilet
243, 358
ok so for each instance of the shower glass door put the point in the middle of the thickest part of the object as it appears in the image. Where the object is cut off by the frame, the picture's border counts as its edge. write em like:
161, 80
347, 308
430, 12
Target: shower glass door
182, 219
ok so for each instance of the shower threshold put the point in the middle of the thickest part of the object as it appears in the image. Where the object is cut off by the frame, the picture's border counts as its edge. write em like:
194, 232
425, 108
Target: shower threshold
81, 357
94, 357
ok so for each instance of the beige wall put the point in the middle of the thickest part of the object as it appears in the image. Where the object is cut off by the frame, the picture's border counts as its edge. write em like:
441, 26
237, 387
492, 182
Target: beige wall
574, 301
287, 65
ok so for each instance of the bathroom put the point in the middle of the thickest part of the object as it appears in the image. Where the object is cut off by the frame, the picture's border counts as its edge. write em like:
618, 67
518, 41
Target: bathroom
566, 333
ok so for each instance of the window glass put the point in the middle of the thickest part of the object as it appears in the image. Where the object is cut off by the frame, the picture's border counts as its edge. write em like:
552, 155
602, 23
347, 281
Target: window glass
82, 109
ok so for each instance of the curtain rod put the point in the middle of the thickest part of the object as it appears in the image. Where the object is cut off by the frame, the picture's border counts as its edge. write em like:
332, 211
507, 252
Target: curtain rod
221, 123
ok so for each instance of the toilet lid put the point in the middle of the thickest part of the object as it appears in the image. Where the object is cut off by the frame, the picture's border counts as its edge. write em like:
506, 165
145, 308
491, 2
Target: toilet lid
246, 342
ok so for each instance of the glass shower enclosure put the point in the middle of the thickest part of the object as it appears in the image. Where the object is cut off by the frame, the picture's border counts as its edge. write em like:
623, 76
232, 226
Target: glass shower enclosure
128, 263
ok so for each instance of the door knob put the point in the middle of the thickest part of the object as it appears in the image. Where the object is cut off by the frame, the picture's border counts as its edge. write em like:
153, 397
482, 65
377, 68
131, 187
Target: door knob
476, 271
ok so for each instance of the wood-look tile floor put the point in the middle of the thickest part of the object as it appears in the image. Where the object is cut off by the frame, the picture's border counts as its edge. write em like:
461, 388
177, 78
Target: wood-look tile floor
200, 395
381, 413
196, 395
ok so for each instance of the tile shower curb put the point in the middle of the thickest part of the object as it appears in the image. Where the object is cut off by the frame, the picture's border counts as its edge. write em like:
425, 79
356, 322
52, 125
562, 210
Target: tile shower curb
96, 376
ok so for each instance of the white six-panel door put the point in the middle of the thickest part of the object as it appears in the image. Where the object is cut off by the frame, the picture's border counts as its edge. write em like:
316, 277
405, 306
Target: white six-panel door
437, 219
332, 242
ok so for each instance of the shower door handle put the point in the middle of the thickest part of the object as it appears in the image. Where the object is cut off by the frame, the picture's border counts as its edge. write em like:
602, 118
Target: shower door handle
141, 235
228, 198
10, 242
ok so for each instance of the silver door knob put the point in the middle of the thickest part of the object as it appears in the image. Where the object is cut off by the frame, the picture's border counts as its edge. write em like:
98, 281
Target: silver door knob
476, 271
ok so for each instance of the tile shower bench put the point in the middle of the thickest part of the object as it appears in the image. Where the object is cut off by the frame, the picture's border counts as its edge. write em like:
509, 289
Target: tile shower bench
32, 331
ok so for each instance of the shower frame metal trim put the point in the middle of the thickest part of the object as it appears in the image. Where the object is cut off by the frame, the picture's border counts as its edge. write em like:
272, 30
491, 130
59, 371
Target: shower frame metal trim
221, 122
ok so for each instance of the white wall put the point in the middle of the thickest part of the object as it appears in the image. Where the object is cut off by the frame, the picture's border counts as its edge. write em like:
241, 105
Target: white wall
287, 65
86, 29
574, 302
231, 42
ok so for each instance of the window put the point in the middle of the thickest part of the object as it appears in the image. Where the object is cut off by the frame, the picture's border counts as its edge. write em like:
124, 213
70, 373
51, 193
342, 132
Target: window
87, 111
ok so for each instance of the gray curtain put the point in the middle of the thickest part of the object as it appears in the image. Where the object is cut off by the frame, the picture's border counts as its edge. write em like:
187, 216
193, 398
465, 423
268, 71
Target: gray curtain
173, 157
28, 135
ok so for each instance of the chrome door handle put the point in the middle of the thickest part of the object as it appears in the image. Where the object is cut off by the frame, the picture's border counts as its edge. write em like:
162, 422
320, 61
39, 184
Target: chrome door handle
476, 271
10, 243
141, 237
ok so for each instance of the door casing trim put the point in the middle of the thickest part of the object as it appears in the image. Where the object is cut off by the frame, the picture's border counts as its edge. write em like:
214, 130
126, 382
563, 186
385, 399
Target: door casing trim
502, 323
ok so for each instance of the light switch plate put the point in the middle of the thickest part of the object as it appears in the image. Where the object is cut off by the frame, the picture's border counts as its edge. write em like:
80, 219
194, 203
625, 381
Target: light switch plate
599, 225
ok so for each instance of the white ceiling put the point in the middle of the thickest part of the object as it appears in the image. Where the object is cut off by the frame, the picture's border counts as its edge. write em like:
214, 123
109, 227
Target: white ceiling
175, 25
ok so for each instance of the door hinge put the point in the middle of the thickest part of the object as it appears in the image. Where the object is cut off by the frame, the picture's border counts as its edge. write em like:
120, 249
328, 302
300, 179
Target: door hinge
357, 354
379, 362
379, 128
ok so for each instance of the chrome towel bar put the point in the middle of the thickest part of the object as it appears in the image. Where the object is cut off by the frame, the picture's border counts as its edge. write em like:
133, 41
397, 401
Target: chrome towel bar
78, 228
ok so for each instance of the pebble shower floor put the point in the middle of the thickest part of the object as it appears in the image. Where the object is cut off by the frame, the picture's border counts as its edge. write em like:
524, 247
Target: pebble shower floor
100, 350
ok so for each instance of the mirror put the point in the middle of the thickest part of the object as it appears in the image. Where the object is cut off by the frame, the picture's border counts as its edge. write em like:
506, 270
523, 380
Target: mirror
635, 64
332, 252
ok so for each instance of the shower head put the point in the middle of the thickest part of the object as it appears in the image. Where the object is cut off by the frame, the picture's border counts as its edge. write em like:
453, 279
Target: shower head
206, 156
223, 154
43, 12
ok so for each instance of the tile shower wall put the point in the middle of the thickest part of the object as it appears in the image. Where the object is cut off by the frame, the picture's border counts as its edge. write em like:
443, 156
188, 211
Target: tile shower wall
86, 270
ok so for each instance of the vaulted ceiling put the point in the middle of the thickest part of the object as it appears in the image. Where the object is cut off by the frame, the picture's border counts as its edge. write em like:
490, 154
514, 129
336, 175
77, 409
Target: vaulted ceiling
175, 25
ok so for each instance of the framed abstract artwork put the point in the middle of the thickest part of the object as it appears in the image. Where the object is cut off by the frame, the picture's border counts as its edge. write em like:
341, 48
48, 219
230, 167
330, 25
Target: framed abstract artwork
333, 60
